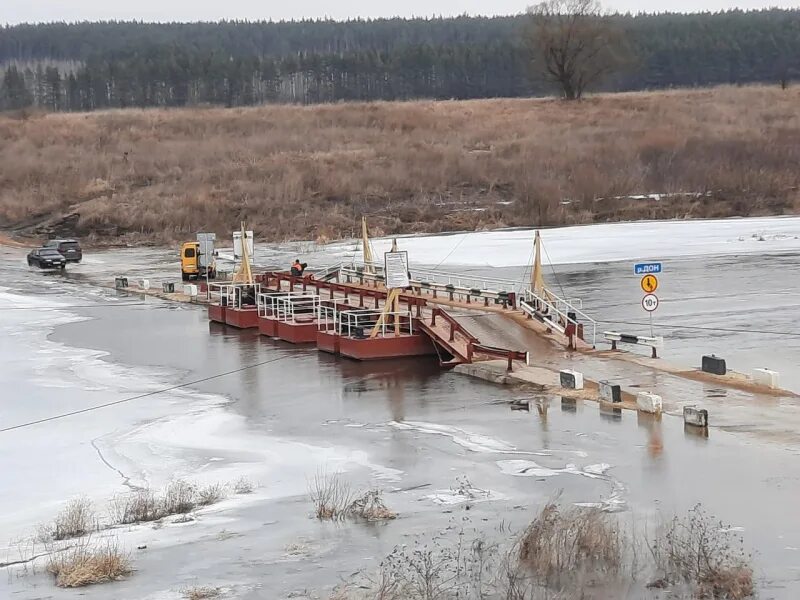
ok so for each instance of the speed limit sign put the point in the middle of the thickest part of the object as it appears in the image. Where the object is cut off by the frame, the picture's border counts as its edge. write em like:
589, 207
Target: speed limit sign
650, 302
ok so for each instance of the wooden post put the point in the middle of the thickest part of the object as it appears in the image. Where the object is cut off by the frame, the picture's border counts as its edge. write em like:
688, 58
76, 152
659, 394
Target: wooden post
396, 313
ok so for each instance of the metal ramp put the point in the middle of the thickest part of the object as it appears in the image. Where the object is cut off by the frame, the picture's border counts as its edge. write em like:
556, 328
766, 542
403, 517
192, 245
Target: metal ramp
559, 314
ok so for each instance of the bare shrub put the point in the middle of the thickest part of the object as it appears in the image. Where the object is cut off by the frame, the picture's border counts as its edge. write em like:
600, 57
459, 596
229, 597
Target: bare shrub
331, 496
439, 568
85, 564
210, 494
705, 554
138, 507
180, 497
563, 543
243, 486
201, 593
77, 518
370, 507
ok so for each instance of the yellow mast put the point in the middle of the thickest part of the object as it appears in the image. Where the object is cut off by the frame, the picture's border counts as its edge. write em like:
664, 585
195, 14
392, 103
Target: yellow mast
367, 247
243, 273
537, 276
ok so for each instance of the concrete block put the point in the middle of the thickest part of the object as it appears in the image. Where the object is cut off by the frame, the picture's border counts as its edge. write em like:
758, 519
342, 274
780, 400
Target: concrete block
610, 392
168, 287
696, 417
714, 364
571, 379
144, 284
649, 403
190, 290
766, 377
120, 282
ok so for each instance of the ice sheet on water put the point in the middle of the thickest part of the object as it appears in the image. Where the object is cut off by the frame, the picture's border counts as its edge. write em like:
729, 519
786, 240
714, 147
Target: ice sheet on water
613, 502
606, 242
462, 496
179, 433
529, 468
475, 442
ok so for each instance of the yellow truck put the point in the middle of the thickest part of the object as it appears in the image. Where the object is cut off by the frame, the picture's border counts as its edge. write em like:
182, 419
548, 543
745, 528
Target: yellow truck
198, 259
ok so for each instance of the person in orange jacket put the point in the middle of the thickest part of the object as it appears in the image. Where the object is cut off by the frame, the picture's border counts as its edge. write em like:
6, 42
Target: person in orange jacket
297, 268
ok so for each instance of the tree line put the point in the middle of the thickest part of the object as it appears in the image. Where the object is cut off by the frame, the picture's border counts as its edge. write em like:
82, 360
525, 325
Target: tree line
88, 66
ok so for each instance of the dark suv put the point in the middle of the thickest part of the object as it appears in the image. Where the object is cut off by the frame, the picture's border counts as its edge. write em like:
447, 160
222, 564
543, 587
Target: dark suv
46, 258
69, 249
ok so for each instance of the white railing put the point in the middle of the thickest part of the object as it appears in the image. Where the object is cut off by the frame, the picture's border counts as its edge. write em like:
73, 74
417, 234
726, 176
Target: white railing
556, 311
267, 302
361, 322
288, 308
468, 282
234, 295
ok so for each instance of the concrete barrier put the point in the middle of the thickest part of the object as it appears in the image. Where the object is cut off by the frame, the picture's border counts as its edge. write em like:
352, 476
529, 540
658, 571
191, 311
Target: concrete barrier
571, 379
766, 377
120, 282
190, 290
649, 403
168, 287
610, 392
696, 417
714, 364
144, 284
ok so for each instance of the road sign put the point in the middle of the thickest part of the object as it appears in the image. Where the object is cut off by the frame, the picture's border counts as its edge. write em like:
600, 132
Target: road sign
647, 268
649, 283
650, 302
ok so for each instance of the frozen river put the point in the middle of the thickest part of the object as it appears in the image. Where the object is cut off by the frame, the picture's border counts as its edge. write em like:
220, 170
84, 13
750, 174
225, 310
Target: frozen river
404, 427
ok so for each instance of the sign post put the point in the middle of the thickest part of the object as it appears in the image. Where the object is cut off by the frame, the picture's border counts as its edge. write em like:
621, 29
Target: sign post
395, 271
649, 284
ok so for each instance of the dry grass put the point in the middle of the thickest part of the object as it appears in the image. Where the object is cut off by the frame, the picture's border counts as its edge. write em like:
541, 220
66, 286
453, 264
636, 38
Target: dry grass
566, 553
243, 486
178, 498
370, 507
572, 543
309, 172
706, 555
85, 564
201, 593
77, 518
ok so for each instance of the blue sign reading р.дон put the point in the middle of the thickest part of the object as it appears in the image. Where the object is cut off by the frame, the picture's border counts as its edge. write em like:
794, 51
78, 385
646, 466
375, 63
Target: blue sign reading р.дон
647, 268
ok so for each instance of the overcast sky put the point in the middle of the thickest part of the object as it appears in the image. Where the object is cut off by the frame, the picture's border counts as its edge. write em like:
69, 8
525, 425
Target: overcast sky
20, 11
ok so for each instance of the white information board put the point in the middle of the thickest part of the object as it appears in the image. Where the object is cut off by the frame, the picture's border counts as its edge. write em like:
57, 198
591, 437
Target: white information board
237, 244
396, 269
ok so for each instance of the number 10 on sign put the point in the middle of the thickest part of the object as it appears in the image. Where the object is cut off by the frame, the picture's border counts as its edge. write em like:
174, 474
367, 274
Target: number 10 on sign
650, 302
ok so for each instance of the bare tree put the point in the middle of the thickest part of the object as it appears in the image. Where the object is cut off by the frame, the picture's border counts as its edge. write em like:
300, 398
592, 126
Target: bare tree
573, 44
